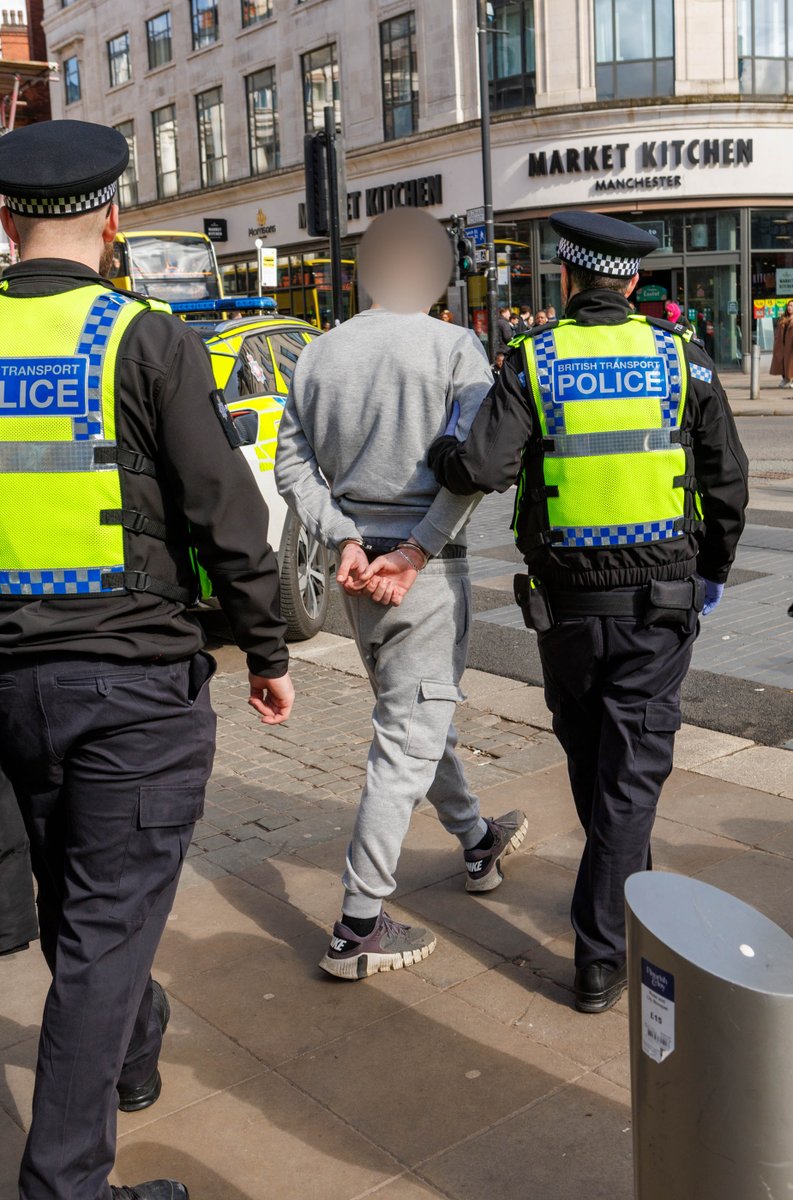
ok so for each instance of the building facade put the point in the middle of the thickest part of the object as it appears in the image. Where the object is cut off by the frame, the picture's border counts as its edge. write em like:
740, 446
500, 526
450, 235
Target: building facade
675, 114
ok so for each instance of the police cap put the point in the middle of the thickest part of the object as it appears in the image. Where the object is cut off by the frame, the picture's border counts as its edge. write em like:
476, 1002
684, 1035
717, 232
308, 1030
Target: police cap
61, 168
601, 244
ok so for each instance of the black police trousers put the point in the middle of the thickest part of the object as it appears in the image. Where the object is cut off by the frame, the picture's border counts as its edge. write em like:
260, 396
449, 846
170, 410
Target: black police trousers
18, 923
109, 761
613, 688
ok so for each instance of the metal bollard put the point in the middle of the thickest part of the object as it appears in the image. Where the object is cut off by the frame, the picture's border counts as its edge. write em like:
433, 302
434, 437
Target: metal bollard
754, 378
711, 1030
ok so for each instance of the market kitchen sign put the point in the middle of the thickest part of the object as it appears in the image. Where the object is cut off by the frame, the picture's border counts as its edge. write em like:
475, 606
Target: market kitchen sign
627, 167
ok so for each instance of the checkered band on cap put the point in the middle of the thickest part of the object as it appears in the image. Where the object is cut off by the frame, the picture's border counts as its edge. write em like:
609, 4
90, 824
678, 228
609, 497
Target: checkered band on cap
593, 260
61, 206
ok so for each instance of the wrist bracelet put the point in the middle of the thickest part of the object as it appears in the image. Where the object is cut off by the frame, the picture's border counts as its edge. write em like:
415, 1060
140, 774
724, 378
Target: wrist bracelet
409, 560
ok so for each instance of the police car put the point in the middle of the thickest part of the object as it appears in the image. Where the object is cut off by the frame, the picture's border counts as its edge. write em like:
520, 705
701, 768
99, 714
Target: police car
253, 357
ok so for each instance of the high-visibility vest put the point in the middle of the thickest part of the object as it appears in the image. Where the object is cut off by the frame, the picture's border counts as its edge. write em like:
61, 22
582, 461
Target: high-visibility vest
609, 402
62, 515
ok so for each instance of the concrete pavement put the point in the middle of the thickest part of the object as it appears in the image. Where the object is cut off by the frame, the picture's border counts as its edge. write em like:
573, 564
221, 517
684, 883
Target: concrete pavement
773, 401
467, 1076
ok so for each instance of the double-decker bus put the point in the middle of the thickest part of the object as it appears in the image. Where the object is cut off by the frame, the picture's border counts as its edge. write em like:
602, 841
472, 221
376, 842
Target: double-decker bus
166, 265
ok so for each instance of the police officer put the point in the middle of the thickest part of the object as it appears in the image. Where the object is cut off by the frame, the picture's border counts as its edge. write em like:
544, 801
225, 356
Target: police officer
116, 459
631, 496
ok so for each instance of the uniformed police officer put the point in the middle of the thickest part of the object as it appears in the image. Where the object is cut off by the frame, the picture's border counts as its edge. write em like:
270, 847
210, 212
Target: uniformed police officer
631, 497
115, 460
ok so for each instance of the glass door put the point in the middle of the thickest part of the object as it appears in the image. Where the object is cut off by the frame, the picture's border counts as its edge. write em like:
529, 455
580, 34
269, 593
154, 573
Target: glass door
713, 306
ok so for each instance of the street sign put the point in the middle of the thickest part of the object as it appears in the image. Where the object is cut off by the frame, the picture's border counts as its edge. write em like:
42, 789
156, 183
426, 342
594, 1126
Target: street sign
732, 307
268, 266
481, 256
475, 216
216, 229
476, 233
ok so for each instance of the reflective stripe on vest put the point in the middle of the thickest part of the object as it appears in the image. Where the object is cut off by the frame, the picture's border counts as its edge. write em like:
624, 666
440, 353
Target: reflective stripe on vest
57, 406
609, 400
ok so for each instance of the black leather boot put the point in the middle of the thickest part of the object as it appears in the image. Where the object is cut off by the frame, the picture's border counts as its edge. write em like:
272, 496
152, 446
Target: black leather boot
155, 1189
136, 1099
599, 987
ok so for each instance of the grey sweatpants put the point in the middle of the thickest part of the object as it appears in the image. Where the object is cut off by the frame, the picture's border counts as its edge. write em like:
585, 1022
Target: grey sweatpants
415, 656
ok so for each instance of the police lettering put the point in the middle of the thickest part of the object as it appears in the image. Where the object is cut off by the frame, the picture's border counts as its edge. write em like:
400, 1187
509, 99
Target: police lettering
44, 387
62, 395
609, 379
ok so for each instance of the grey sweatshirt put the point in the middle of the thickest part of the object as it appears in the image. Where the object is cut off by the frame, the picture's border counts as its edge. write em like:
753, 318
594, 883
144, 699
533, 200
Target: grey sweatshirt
367, 400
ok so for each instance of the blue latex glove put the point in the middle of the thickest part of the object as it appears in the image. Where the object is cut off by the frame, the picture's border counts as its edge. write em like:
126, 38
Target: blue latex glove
449, 431
713, 594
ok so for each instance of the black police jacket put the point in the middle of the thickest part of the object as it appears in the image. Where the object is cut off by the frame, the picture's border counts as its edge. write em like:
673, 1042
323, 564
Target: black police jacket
204, 493
506, 427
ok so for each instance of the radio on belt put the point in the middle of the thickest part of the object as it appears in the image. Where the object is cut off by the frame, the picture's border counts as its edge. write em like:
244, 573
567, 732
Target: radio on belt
604, 378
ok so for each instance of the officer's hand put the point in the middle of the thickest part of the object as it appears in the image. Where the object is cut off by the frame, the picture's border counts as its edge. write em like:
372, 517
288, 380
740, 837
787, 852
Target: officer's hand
271, 698
388, 579
351, 566
713, 594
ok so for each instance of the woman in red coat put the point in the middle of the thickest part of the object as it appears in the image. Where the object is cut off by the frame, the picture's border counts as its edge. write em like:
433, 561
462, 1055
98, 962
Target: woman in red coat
782, 357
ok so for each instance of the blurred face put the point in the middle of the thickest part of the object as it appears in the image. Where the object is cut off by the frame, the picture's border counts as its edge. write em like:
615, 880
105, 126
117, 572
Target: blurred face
789, 308
405, 260
541, 318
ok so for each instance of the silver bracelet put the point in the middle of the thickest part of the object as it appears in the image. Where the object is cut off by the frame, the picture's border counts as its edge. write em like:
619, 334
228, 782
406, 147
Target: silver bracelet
409, 560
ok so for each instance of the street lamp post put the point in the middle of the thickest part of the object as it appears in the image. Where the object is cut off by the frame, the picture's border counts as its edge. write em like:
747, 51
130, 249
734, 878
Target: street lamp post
487, 178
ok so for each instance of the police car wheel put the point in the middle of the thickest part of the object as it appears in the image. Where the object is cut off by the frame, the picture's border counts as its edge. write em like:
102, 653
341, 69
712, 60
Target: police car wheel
305, 582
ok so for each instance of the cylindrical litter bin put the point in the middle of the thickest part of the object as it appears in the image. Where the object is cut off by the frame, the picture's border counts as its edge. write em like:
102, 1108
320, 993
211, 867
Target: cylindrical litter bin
711, 1030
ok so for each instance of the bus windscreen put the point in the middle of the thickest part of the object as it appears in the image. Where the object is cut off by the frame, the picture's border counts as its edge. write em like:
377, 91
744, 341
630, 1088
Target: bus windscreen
181, 268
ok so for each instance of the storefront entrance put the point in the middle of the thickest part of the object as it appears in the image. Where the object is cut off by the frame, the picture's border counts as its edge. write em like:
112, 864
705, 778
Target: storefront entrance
708, 294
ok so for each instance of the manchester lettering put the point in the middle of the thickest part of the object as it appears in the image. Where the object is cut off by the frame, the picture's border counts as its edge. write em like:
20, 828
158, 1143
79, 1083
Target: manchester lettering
667, 155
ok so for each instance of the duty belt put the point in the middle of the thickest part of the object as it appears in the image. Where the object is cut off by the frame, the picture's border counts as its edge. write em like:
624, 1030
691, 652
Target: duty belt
374, 547
629, 602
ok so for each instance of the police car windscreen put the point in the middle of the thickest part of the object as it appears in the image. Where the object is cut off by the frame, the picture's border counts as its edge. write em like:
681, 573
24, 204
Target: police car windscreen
178, 268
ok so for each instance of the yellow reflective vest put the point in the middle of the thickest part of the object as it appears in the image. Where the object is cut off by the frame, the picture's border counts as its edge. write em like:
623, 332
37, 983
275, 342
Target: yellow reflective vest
609, 402
62, 516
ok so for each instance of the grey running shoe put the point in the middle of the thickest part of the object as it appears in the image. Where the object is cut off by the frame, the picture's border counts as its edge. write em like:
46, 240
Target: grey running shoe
387, 948
484, 866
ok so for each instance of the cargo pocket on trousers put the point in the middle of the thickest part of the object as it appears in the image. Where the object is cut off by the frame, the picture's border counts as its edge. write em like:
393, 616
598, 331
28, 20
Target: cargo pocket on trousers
655, 751
157, 846
430, 717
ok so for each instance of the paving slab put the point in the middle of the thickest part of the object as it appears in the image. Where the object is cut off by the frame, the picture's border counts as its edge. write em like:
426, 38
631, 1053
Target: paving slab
694, 746
12, 1143
441, 1048
407, 1187
531, 907
743, 814
261, 1138
574, 1144
276, 1003
763, 880
542, 1011
763, 767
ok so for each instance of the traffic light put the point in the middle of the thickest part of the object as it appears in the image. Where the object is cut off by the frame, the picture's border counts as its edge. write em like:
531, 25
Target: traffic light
466, 254
317, 210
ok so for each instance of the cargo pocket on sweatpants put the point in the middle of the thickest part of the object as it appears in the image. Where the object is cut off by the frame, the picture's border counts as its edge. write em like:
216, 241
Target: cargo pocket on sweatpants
430, 717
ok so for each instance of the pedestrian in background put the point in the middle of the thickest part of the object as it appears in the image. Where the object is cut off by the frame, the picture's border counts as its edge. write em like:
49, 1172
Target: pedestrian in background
540, 318
364, 406
674, 314
782, 356
526, 319
504, 330
498, 363
107, 734
628, 519
446, 315
550, 313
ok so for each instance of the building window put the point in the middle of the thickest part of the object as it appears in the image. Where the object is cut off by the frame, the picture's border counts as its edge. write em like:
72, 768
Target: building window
118, 60
166, 155
204, 18
320, 87
400, 76
71, 79
262, 97
158, 40
211, 137
254, 11
128, 183
634, 48
511, 57
765, 47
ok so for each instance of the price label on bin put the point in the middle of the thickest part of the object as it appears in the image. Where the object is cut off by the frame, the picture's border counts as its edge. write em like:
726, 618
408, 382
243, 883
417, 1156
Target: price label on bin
658, 1012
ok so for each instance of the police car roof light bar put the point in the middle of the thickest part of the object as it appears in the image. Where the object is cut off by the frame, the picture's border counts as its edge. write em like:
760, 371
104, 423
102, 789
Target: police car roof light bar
225, 304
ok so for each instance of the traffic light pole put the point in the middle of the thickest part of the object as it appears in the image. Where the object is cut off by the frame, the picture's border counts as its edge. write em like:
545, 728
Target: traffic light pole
487, 180
337, 293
